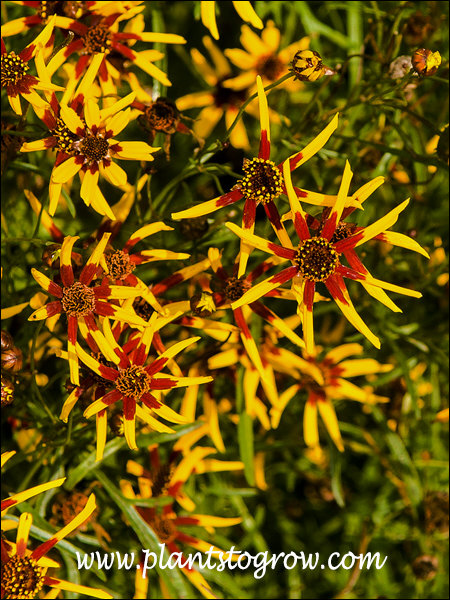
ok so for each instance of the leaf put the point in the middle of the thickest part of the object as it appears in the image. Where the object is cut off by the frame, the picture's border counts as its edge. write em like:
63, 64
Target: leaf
246, 450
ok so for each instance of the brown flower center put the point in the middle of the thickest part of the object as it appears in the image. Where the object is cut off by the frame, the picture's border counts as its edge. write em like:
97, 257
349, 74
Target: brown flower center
21, 578
119, 265
94, 148
316, 259
262, 180
133, 382
236, 288
78, 299
227, 97
161, 479
13, 69
165, 529
65, 138
270, 66
97, 39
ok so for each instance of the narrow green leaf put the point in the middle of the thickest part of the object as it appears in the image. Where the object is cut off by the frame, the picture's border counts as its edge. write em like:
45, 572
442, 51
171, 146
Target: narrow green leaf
245, 437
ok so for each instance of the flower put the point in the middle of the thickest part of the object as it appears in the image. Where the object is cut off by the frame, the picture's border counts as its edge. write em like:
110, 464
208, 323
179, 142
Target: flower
14, 72
133, 383
80, 302
425, 62
24, 572
324, 377
244, 10
168, 527
317, 259
262, 56
98, 40
218, 101
167, 478
84, 142
263, 182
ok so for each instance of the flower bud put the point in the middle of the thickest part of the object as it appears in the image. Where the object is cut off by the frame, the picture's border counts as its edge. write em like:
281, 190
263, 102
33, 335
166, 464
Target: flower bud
307, 65
425, 62
12, 359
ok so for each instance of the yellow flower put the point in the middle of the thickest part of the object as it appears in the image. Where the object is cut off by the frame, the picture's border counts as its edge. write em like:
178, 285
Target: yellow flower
325, 380
262, 56
244, 10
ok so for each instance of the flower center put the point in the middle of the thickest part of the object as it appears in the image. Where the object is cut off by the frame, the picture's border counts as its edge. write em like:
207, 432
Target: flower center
227, 96
13, 69
97, 39
270, 66
236, 288
119, 265
161, 479
165, 529
162, 115
65, 138
78, 299
134, 382
262, 180
317, 259
94, 148
21, 578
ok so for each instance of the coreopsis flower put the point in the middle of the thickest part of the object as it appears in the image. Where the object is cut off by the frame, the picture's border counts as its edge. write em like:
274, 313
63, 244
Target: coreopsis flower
324, 377
167, 478
307, 65
83, 139
168, 527
15, 79
134, 384
63, 13
244, 9
425, 62
262, 56
24, 572
263, 182
16, 499
119, 265
97, 40
317, 259
81, 302
218, 101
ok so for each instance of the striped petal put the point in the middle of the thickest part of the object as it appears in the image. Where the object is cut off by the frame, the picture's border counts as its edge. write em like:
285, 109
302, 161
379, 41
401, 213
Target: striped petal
66, 170
328, 415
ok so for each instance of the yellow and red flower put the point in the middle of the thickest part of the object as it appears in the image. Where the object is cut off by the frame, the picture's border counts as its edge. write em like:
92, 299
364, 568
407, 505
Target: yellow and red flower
15, 79
168, 527
81, 302
98, 36
325, 380
317, 259
84, 142
133, 384
24, 572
